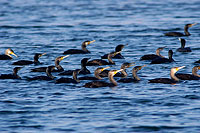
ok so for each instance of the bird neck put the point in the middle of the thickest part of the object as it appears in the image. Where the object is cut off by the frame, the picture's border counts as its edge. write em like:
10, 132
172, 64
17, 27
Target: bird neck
83, 65
135, 76
84, 48
186, 31
110, 59
96, 74
172, 75
15, 73
110, 76
58, 66
48, 72
84, 69
194, 72
75, 76
182, 44
158, 53
124, 73
170, 57
36, 59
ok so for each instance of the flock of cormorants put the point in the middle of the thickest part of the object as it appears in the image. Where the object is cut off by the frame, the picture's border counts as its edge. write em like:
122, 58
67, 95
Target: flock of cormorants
101, 72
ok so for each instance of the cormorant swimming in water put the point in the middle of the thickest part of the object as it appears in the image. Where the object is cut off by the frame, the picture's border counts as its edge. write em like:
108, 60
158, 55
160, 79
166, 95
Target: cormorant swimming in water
57, 64
118, 48
7, 55
163, 60
135, 76
97, 84
173, 79
183, 48
96, 74
193, 76
84, 50
181, 34
83, 69
27, 62
153, 56
100, 62
11, 76
123, 72
48, 77
70, 80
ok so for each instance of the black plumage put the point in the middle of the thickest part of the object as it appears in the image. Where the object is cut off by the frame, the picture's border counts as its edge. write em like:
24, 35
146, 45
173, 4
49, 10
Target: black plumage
193, 76
135, 77
27, 62
173, 79
186, 33
13, 75
96, 74
164, 60
83, 69
97, 84
123, 72
183, 48
153, 56
100, 62
59, 68
48, 73
84, 50
118, 48
73, 80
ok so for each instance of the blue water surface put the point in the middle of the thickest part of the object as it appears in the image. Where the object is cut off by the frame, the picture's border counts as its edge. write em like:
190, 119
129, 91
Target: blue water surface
38, 26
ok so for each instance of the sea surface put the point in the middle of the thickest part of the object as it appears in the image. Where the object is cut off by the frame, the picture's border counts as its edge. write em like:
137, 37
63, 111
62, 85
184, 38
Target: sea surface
38, 26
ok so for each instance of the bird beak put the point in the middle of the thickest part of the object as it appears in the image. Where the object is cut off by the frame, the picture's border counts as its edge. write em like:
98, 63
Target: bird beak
91, 41
193, 24
118, 71
179, 39
105, 68
13, 54
42, 54
65, 57
132, 64
177, 69
142, 66
20, 68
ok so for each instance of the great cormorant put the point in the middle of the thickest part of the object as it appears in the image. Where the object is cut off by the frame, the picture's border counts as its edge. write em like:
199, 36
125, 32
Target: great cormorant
183, 48
27, 62
118, 48
7, 55
97, 84
84, 50
173, 79
163, 60
13, 75
193, 76
153, 56
181, 34
134, 74
100, 62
